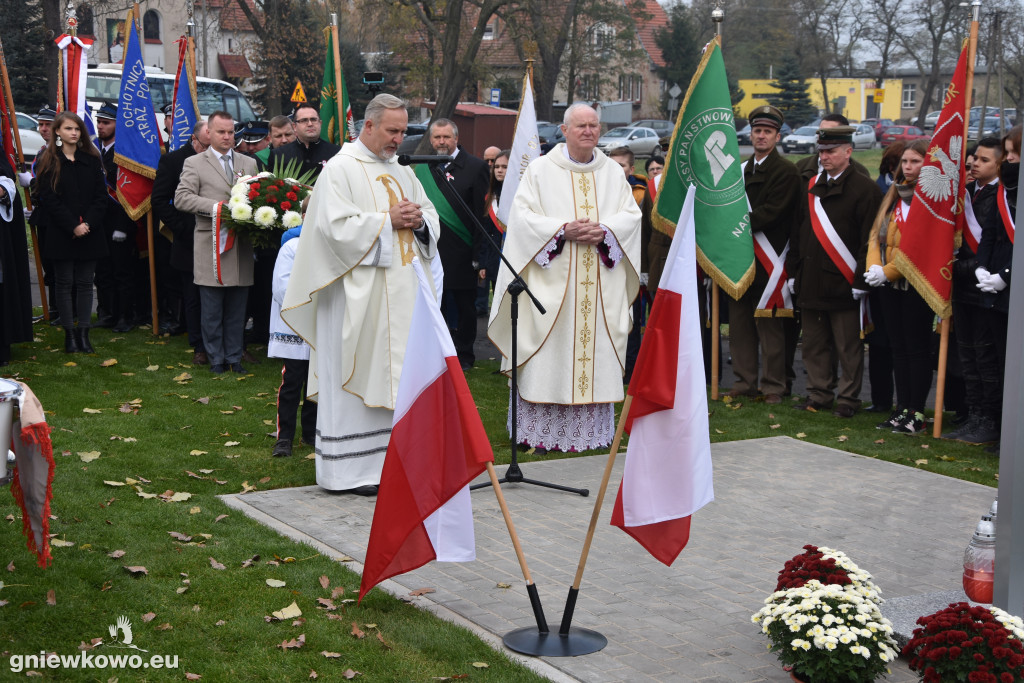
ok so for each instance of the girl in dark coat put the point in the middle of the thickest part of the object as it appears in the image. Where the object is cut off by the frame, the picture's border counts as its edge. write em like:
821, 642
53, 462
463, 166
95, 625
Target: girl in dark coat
73, 192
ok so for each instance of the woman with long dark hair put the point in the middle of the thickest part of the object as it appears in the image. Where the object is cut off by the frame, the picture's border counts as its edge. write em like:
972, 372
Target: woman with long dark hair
73, 192
908, 316
492, 261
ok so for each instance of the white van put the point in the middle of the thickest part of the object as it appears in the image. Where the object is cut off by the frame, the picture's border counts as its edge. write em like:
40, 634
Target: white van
104, 86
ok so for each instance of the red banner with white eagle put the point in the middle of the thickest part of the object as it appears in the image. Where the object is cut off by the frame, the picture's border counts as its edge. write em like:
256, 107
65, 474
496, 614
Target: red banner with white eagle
936, 216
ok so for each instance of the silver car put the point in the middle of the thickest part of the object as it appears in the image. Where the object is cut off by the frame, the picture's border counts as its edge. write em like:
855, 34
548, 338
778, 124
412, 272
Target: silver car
31, 141
863, 137
637, 139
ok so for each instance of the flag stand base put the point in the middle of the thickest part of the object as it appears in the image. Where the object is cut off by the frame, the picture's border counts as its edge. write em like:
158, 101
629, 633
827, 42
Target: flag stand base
578, 641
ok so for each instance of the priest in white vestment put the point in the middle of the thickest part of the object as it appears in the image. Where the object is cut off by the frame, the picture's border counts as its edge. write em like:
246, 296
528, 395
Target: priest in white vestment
352, 290
574, 236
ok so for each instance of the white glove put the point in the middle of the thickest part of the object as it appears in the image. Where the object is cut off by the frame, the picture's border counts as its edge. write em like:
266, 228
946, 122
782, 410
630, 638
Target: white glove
791, 283
982, 274
643, 279
996, 282
119, 236
24, 179
875, 276
859, 294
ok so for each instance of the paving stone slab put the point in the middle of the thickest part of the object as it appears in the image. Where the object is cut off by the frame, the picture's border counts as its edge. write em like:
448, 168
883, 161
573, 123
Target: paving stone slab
691, 621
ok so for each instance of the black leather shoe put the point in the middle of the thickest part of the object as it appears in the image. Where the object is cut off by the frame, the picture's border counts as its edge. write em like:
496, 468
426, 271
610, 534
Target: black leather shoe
123, 325
82, 333
237, 367
249, 358
367, 490
282, 449
218, 369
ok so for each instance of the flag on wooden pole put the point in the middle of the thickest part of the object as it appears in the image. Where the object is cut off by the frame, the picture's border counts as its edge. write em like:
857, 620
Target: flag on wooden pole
438, 445
925, 252
667, 476
525, 148
185, 114
335, 106
704, 153
137, 151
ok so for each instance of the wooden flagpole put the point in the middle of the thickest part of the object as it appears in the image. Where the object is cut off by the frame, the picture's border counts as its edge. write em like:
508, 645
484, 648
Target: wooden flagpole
12, 119
570, 603
940, 380
336, 57
716, 328
531, 588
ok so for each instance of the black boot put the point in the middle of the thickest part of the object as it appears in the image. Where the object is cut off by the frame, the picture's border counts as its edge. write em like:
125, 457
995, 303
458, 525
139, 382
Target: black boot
71, 341
83, 340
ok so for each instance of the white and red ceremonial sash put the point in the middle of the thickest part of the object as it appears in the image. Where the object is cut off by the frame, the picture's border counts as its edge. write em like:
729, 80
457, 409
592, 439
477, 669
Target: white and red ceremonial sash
74, 67
223, 238
776, 294
973, 232
828, 237
494, 217
438, 445
668, 473
1004, 213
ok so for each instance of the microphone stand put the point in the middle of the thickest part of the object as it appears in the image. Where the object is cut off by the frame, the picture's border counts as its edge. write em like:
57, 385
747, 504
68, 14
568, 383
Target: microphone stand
514, 474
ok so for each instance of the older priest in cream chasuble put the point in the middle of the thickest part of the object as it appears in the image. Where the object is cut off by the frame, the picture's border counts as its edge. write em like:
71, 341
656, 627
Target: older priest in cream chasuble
350, 297
570, 359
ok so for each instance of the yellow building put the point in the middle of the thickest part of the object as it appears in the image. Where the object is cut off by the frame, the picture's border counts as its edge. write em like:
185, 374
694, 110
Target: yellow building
854, 98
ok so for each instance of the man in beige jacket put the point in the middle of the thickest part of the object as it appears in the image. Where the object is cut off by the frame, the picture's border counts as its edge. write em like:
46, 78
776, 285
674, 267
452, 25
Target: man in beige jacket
223, 278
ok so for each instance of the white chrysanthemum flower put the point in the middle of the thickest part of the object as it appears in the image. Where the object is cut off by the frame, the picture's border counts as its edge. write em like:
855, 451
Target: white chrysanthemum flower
241, 212
237, 199
239, 189
291, 219
265, 216
291, 181
264, 174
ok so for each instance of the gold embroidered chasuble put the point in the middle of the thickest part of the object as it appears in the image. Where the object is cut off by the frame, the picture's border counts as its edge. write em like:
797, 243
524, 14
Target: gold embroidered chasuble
347, 242
575, 353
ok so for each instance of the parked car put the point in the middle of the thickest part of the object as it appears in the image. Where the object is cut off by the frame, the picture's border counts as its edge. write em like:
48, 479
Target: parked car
743, 135
550, 133
930, 121
641, 141
802, 141
903, 134
662, 127
880, 126
863, 136
31, 140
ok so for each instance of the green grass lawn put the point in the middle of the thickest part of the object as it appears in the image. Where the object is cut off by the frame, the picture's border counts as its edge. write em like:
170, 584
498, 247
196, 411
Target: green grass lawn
161, 426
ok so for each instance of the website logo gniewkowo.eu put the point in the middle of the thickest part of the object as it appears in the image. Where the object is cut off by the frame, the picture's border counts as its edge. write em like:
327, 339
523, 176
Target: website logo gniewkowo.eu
120, 638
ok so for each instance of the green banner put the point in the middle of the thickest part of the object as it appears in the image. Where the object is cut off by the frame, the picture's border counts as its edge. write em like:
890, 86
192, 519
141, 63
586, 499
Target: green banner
336, 128
704, 153
444, 209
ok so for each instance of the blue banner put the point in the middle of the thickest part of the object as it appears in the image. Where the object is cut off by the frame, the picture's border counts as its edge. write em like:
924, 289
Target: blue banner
186, 108
137, 135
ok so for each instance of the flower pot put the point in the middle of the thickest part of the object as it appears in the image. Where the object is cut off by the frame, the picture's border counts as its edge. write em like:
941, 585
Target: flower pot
796, 678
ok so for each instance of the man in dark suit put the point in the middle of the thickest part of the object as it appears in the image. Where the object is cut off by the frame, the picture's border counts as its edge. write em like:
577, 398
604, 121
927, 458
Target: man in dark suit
461, 246
308, 149
115, 274
182, 226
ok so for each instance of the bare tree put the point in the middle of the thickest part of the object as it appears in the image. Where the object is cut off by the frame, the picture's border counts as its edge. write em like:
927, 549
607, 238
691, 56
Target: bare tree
930, 39
543, 28
827, 35
885, 18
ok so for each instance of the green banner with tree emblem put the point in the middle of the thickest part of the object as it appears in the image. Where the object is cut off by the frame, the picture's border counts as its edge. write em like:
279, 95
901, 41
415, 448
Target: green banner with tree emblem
704, 153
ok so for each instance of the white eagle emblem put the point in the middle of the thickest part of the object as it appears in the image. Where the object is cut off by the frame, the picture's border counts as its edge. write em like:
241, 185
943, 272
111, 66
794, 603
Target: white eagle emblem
939, 184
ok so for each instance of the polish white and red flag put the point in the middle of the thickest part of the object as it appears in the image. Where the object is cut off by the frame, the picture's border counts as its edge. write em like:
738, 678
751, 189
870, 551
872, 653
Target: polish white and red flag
438, 445
667, 476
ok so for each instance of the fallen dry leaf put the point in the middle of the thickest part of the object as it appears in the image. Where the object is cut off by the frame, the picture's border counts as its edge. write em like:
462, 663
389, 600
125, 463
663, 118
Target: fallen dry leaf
294, 643
108, 362
61, 543
481, 665
292, 611
195, 510
276, 583
313, 674
357, 632
138, 570
842, 437
197, 452
338, 590
152, 368
879, 440
232, 443
116, 554
381, 639
183, 377
191, 676
216, 565
264, 480
88, 456
178, 497
91, 411
220, 622
349, 674
51, 597
299, 622
218, 518
251, 561
327, 604
10, 567
148, 617
178, 536
774, 426
331, 655
70, 364
922, 461
194, 475
181, 589
504, 585
107, 585
421, 591
113, 483
325, 582
924, 445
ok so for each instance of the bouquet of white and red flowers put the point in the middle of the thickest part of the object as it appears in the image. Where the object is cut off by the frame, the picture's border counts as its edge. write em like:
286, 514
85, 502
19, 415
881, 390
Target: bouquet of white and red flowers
265, 205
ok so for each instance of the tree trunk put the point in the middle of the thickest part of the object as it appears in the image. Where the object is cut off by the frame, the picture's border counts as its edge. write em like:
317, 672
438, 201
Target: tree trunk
53, 20
824, 93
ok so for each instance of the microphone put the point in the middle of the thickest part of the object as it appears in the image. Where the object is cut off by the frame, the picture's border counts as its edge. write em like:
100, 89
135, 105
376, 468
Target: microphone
407, 159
